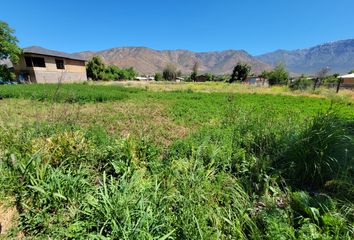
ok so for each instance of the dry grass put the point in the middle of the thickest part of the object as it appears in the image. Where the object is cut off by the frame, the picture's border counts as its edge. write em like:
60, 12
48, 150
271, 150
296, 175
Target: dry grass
345, 94
129, 118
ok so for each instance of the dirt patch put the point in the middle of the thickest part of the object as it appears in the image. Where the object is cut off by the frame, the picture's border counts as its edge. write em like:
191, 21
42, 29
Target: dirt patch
8, 217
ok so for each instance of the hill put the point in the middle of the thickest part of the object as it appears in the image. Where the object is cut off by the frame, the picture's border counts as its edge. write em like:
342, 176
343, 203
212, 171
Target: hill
338, 56
149, 61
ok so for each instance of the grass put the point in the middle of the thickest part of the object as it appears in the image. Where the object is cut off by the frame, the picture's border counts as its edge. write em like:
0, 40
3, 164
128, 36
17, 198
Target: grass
175, 164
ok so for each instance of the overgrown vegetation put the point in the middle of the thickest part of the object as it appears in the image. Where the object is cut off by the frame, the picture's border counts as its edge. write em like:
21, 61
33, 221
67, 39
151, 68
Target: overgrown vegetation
98, 70
8, 50
258, 167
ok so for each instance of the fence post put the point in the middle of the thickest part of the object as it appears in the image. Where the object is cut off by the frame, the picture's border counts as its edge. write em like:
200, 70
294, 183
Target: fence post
338, 84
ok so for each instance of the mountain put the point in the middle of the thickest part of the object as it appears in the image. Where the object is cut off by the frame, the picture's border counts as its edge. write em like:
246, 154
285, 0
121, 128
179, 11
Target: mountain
338, 56
149, 61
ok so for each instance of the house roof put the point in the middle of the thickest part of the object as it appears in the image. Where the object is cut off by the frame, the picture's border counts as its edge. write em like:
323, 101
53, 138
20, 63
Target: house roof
347, 76
47, 52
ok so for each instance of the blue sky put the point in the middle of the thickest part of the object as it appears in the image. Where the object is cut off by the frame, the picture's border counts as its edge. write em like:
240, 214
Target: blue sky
257, 26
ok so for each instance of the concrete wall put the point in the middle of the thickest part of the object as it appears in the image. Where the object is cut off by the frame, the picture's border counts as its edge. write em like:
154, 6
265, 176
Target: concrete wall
75, 71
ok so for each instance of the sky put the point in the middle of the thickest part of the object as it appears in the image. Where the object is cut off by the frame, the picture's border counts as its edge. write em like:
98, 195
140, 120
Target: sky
257, 26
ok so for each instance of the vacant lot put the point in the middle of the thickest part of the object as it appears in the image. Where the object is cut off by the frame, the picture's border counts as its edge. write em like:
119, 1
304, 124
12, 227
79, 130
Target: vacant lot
167, 161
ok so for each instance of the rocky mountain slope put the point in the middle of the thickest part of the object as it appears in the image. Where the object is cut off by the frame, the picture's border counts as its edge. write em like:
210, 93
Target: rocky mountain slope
338, 56
149, 61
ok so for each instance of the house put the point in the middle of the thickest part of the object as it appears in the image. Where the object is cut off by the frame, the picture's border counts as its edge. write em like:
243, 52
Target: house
347, 80
40, 65
201, 78
258, 81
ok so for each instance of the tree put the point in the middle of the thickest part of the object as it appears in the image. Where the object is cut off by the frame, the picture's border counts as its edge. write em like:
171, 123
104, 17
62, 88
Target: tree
240, 72
194, 73
8, 49
158, 77
96, 68
278, 75
170, 72
352, 71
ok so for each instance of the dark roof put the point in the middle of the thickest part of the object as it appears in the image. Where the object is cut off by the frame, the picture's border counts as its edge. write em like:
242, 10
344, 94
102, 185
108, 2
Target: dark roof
47, 52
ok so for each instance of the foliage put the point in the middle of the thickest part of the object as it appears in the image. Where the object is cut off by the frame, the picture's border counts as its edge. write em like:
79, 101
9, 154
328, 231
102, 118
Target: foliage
350, 72
194, 73
95, 68
320, 153
278, 75
6, 74
240, 72
112, 72
302, 83
98, 70
158, 77
8, 43
8, 50
170, 72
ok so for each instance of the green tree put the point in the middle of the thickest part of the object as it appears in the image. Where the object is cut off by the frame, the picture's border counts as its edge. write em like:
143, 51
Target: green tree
240, 72
210, 76
194, 73
111, 72
278, 75
352, 71
158, 77
8, 49
96, 68
170, 72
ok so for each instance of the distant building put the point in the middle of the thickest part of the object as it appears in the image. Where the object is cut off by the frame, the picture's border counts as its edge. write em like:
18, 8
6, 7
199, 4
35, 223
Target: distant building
258, 81
347, 80
40, 65
201, 78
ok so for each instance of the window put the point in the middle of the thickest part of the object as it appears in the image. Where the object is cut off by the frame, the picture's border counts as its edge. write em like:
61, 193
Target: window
59, 63
38, 62
28, 61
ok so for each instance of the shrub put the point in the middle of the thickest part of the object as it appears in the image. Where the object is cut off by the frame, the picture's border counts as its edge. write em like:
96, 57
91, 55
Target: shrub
158, 77
301, 83
318, 154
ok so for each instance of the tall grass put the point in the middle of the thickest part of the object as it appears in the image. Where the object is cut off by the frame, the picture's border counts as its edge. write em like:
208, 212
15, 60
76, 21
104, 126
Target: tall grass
228, 180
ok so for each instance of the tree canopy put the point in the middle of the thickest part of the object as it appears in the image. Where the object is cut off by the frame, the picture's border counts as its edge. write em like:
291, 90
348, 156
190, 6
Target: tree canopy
170, 72
95, 68
279, 75
195, 71
8, 49
98, 70
240, 72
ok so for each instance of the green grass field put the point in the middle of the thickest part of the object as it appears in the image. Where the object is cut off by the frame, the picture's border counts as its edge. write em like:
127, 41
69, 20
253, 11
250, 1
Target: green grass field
85, 161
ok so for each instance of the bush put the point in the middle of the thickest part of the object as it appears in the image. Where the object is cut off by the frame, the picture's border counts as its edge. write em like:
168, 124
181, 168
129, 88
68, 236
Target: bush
302, 83
158, 77
278, 76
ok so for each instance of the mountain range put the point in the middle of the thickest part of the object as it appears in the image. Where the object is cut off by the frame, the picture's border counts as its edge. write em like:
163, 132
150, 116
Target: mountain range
338, 56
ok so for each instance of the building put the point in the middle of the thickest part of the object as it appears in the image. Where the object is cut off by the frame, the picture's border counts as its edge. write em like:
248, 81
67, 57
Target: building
201, 78
40, 65
258, 81
347, 80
